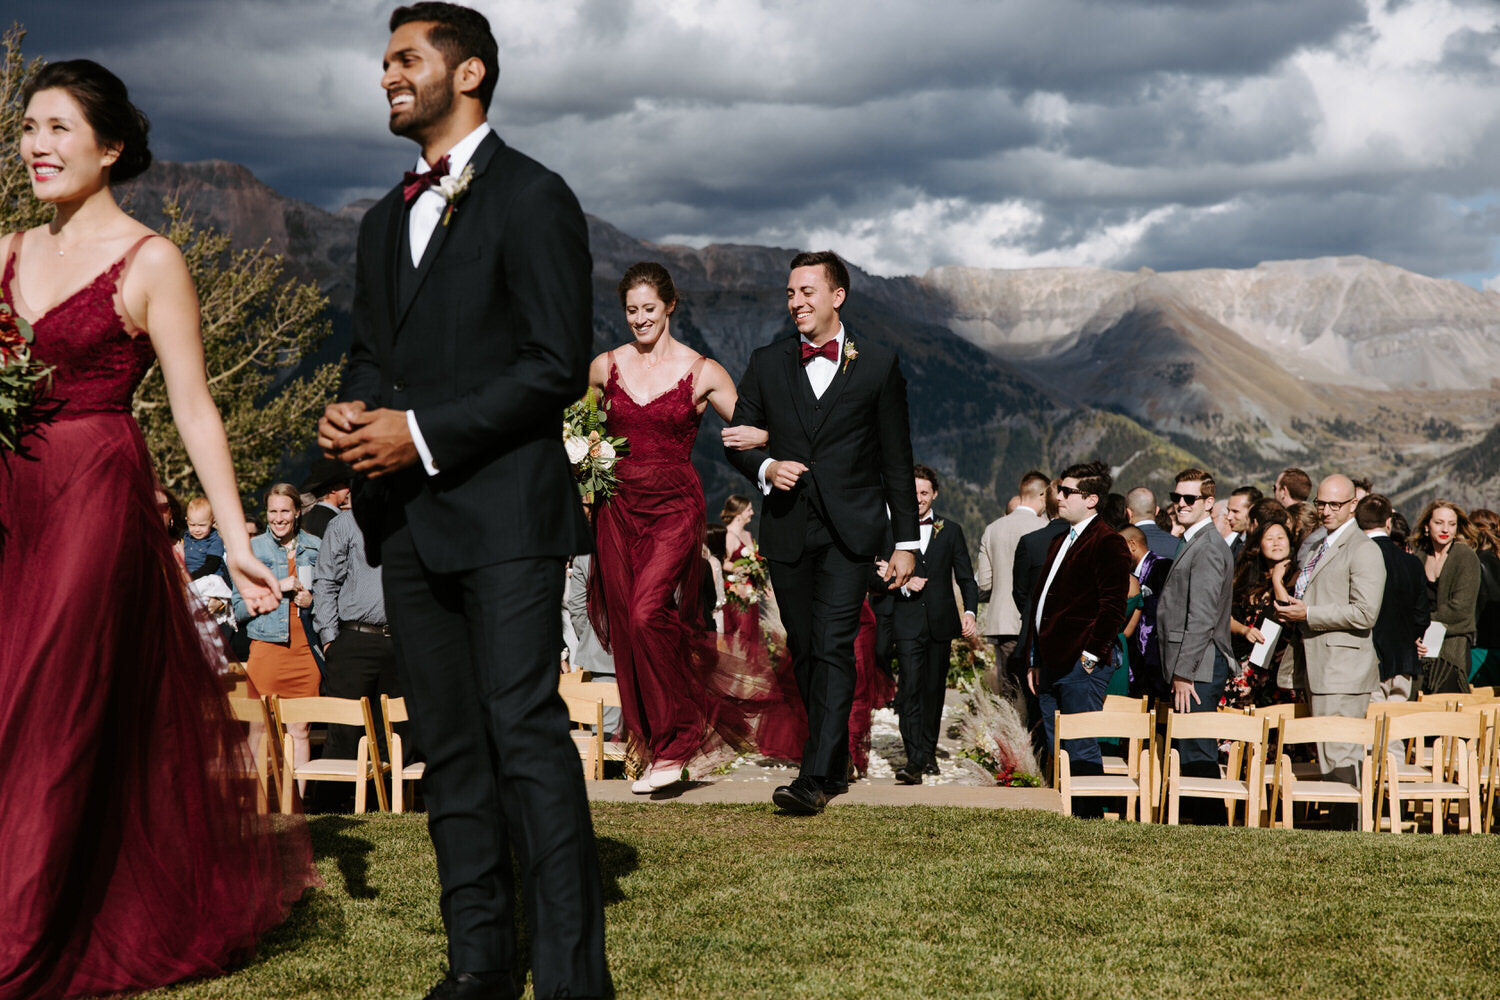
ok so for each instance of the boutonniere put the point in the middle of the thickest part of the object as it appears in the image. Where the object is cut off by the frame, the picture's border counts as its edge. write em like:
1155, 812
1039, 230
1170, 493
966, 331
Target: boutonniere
453, 188
938, 525
850, 353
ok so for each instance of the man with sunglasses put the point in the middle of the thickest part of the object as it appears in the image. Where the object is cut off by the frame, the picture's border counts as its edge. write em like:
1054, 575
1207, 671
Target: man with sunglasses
1337, 596
1192, 620
1078, 611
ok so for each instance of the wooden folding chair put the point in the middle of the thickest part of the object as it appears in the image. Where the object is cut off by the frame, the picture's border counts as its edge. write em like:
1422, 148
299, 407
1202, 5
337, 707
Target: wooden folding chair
365, 766
1416, 763
394, 710
253, 712
1288, 788
1450, 700
1489, 755
1120, 763
1457, 734
587, 717
1134, 787
581, 684
1236, 784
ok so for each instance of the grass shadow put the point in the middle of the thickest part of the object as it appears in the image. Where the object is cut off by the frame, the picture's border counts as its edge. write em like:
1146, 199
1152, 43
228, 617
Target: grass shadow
335, 836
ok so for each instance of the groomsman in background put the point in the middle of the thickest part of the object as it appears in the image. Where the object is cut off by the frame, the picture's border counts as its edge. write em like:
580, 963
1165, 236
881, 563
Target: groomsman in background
1141, 503
1078, 611
1405, 610
996, 564
926, 623
1145, 652
1192, 621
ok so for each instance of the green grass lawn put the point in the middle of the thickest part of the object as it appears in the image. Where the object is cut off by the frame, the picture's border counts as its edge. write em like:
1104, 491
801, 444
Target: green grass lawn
736, 902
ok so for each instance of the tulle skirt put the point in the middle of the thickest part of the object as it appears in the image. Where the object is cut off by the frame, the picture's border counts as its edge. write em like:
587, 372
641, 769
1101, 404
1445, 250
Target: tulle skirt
132, 854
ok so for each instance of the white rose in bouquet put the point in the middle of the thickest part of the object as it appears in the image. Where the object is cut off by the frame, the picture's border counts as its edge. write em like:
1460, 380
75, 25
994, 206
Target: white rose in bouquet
604, 453
577, 448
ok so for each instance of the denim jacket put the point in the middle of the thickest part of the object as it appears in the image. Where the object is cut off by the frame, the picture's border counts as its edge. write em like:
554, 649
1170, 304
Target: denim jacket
275, 626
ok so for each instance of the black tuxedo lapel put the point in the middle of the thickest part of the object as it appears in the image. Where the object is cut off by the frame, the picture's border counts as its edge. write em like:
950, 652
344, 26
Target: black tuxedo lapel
413, 283
797, 384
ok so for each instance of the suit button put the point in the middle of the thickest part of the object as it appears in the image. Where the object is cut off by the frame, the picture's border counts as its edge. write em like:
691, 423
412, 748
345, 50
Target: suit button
399, 385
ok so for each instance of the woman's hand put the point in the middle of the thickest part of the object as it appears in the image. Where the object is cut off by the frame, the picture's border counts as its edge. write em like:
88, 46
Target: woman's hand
255, 582
1253, 635
302, 597
743, 437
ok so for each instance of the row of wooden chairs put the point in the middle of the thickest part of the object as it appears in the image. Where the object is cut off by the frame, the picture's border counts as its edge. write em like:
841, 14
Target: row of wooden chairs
1460, 764
273, 764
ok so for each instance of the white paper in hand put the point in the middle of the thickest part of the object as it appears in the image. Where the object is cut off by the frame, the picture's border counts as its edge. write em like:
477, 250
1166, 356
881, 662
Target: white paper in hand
1270, 632
1433, 638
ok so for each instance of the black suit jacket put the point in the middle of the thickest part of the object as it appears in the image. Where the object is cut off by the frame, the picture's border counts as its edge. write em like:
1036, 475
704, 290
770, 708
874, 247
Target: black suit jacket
315, 521
1405, 612
487, 342
932, 608
855, 441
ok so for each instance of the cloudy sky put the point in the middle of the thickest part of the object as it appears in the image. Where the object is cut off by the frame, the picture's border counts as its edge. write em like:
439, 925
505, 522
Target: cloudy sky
903, 133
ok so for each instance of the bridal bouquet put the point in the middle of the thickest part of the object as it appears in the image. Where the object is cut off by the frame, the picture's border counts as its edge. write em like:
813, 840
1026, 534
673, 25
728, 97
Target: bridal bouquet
592, 451
22, 378
745, 578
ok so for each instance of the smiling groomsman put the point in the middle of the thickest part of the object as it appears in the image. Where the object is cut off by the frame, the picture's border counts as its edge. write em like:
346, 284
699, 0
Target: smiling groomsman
838, 458
472, 331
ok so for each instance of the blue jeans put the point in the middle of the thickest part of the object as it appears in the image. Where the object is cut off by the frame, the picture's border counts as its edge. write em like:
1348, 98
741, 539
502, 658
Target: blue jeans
1078, 690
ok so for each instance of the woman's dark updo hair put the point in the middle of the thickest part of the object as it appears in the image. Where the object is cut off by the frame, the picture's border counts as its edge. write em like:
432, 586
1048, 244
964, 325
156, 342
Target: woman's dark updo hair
117, 123
651, 274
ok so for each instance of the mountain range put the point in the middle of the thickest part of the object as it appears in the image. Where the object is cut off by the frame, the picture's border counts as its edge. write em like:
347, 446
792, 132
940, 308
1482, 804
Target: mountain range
1333, 364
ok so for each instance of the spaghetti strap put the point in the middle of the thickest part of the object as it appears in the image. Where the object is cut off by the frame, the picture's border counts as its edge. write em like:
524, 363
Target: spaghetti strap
124, 265
10, 264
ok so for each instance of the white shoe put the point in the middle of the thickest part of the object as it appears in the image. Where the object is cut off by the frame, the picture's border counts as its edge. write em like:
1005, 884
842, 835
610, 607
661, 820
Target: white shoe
664, 775
642, 785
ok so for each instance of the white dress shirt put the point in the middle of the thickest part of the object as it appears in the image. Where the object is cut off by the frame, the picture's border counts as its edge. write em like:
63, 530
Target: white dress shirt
1187, 535
422, 220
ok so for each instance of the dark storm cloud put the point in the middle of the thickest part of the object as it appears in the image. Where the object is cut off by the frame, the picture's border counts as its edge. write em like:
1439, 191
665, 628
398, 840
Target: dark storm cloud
988, 132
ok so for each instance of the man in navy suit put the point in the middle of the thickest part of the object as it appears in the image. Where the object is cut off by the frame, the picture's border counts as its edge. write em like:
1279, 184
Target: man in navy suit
926, 622
472, 330
1141, 503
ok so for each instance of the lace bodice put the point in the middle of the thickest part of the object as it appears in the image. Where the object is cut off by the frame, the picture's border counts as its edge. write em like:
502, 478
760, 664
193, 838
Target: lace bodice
662, 429
97, 360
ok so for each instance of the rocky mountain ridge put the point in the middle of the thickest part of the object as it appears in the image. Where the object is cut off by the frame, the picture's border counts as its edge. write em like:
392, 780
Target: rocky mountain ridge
1335, 363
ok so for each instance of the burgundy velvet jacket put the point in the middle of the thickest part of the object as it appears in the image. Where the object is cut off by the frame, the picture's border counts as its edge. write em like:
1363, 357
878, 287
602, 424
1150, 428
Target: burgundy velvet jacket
1085, 607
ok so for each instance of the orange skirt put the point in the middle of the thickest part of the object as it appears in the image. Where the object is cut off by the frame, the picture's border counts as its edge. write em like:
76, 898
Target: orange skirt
288, 670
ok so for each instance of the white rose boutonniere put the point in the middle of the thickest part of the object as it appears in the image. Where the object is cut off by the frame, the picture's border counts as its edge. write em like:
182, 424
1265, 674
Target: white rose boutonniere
938, 526
453, 188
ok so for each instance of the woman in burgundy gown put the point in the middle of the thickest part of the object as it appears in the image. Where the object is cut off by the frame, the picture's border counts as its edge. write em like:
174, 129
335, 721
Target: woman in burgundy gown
686, 711
132, 855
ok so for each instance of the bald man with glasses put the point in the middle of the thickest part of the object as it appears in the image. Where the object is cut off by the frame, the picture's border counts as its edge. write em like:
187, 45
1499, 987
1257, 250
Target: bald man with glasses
1336, 598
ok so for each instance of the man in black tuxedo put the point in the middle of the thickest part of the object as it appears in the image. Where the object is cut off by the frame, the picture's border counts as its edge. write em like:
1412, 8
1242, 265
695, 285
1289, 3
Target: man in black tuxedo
926, 622
1405, 609
472, 331
838, 458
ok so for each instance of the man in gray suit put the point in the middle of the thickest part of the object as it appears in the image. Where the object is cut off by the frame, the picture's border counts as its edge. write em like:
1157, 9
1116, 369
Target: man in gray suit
1192, 616
1337, 597
1141, 504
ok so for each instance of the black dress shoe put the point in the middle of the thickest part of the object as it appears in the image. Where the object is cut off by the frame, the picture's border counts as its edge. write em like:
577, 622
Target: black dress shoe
908, 776
803, 797
474, 986
931, 768
832, 787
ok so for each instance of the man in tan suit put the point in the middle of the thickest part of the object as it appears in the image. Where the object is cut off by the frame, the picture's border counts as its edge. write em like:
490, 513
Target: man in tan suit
1337, 596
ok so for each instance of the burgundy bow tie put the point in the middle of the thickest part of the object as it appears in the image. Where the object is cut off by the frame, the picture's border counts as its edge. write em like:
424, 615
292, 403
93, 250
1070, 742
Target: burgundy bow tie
829, 350
925, 520
413, 183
